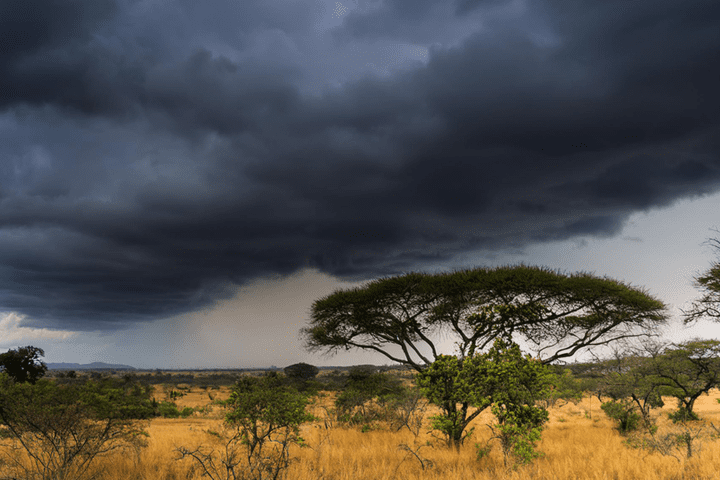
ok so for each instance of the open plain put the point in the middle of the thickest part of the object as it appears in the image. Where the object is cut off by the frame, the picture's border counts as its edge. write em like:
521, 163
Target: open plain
579, 442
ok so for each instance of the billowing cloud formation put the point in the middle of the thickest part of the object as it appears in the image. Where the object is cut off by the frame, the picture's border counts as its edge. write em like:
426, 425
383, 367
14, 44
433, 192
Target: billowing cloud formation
13, 334
154, 154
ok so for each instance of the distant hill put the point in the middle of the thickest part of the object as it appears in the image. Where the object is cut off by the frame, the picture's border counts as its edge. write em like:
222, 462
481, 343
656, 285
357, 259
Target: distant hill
88, 366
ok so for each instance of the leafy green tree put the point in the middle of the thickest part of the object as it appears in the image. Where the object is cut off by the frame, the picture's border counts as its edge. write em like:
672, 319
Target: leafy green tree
263, 420
559, 315
447, 383
367, 396
629, 380
302, 376
23, 364
515, 383
563, 386
502, 377
685, 371
62, 429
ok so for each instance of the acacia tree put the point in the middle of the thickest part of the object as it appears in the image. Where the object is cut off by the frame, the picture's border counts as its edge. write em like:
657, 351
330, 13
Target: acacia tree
55, 431
708, 306
301, 371
559, 315
685, 371
628, 380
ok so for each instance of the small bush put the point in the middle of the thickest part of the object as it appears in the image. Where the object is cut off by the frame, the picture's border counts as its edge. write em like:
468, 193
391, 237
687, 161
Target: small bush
170, 410
624, 414
682, 414
369, 397
263, 422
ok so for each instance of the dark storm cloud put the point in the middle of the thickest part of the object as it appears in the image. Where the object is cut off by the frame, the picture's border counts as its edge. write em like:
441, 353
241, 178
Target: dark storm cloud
154, 155
391, 17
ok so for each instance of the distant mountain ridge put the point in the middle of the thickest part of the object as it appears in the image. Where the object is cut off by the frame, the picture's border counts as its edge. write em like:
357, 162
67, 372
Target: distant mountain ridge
88, 366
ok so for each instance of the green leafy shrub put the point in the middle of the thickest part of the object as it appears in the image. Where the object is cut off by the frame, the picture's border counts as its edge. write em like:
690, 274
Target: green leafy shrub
504, 378
262, 423
368, 397
624, 414
64, 428
170, 410
682, 414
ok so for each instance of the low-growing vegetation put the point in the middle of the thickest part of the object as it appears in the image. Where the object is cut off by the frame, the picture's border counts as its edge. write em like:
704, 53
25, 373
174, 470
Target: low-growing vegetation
491, 411
265, 427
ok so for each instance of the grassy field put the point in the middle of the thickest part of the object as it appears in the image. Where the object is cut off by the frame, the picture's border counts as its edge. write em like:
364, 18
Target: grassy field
579, 443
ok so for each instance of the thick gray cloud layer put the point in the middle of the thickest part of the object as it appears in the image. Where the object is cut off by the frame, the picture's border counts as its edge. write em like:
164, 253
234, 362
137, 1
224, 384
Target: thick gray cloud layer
154, 154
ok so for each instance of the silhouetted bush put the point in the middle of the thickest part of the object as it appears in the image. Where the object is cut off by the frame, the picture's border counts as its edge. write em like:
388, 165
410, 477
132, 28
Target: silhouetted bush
301, 371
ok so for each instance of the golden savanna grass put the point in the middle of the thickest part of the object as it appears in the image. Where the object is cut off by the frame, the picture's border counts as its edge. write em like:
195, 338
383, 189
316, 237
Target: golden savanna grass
579, 442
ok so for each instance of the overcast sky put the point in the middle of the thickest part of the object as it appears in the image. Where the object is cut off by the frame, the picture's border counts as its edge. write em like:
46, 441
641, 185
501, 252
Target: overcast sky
179, 180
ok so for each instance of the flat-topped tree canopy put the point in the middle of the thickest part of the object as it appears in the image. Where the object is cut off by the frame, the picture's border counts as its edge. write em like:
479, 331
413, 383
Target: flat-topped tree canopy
558, 314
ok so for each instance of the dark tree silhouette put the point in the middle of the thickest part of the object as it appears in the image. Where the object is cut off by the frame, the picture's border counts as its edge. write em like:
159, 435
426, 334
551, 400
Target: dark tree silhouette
24, 365
301, 371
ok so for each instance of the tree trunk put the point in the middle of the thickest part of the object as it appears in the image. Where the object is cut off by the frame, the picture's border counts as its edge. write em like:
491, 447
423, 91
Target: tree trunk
456, 425
691, 405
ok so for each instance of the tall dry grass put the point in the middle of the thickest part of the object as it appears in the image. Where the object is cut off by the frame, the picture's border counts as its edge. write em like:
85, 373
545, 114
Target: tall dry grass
579, 443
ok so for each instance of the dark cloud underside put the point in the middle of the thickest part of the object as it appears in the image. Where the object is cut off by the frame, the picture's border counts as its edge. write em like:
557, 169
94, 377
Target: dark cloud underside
153, 155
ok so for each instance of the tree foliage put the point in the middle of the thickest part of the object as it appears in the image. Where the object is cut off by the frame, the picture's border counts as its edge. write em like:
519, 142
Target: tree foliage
504, 378
624, 413
637, 380
685, 371
563, 387
558, 314
263, 420
62, 429
628, 380
447, 383
301, 371
515, 383
708, 282
23, 364
367, 397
